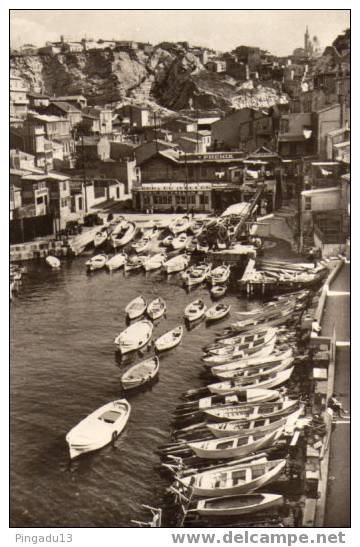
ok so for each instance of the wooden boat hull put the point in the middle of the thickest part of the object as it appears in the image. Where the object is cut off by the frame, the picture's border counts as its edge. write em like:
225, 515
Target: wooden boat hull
82, 438
132, 380
263, 351
263, 382
232, 505
242, 488
235, 452
240, 364
243, 413
212, 316
169, 342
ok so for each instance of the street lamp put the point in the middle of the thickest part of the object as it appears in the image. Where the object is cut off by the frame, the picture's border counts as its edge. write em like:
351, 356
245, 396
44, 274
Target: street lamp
307, 133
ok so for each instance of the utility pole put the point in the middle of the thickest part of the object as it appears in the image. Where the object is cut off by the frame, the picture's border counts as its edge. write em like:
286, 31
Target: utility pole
186, 184
156, 135
84, 172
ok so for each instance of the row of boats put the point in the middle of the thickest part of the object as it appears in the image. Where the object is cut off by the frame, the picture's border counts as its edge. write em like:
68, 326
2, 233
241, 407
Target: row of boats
225, 433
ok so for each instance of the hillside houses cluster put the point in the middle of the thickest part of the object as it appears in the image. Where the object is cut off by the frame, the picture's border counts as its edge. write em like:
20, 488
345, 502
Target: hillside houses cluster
69, 158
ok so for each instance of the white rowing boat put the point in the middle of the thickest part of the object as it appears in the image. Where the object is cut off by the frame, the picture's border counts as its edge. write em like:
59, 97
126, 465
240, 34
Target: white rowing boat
136, 308
232, 345
101, 236
142, 245
156, 308
170, 339
232, 447
179, 242
134, 337
266, 381
219, 311
274, 358
196, 274
96, 262
134, 263
154, 262
231, 428
116, 261
53, 262
236, 479
99, 428
218, 291
238, 412
254, 371
123, 234
253, 349
179, 224
195, 310
177, 264
140, 374
219, 275
243, 504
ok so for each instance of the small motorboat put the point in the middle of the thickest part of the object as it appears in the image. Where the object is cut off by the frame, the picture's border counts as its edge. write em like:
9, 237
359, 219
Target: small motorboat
140, 374
232, 447
179, 224
236, 479
244, 402
116, 261
219, 275
136, 308
142, 245
195, 310
99, 429
176, 264
179, 242
53, 262
96, 262
154, 262
218, 291
170, 339
134, 337
156, 308
217, 312
243, 504
101, 236
196, 274
135, 263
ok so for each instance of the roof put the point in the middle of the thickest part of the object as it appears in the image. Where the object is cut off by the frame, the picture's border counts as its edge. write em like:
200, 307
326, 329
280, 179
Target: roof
46, 117
320, 190
37, 95
182, 186
65, 107
46, 176
340, 131
70, 97
342, 144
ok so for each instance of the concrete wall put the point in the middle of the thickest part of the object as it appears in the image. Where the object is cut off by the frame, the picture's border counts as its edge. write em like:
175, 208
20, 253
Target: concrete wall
327, 200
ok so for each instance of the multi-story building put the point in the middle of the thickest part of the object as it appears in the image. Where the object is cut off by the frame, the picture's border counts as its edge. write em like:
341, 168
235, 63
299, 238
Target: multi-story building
245, 129
18, 99
98, 120
65, 110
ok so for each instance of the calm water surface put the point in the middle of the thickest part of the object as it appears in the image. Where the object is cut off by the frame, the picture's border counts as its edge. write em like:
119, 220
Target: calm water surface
63, 367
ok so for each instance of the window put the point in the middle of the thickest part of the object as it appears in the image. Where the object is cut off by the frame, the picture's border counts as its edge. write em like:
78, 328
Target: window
39, 200
284, 125
64, 202
308, 203
64, 186
117, 193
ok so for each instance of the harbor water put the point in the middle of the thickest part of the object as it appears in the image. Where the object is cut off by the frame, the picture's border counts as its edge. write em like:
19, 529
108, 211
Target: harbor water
63, 367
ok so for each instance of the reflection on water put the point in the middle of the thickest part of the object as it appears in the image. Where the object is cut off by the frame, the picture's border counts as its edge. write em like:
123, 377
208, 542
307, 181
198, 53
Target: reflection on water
64, 366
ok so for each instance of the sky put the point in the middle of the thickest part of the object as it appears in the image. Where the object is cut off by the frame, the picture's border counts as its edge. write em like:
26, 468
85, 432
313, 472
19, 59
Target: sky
278, 31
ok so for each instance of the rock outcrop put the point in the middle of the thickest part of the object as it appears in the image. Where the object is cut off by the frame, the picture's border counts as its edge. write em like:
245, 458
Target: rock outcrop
168, 75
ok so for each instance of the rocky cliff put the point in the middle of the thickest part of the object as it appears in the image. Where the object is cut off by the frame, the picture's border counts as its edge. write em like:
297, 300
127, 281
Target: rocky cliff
168, 75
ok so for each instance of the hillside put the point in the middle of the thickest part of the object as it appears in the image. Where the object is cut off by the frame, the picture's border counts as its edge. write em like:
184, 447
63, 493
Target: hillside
169, 75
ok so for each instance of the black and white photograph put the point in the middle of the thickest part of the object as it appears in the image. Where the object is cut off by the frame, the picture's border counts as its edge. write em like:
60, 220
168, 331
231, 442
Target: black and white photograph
179, 264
